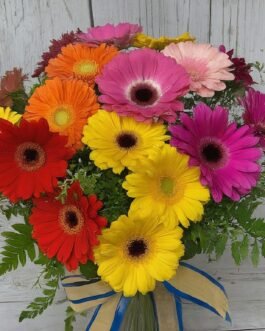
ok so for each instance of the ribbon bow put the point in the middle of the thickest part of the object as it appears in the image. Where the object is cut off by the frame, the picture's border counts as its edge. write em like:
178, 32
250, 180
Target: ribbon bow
189, 283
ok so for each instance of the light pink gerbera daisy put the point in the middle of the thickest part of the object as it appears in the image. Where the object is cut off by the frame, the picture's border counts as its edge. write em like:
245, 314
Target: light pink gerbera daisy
227, 155
143, 84
120, 35
207, 66
254, 116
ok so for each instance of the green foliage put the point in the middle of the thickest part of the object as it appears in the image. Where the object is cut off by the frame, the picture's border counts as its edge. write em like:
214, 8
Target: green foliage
51, 275
9, 209
20, 100
18, 246
227, 98
69, 320
260, 68
109, 189
106, 185
140, 314
230, 221
89, 270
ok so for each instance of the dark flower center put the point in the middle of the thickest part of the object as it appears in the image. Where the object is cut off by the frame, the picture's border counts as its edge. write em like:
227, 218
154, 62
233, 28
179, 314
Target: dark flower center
71, 219
30, 156
260, 129
126, 140
137, 247
212, 153
144, 94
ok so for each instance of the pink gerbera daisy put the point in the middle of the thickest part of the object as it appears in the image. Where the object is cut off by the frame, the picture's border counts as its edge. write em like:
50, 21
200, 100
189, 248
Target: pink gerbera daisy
207, 66
254, 116
143, 84
227, 155
120, 35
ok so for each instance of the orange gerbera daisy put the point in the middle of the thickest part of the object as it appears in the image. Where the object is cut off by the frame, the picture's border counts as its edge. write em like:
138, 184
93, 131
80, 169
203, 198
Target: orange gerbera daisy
80, 61
66, 105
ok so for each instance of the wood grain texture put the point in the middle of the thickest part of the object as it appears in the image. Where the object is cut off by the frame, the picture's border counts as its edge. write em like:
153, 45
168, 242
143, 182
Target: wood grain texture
26, 28
245, 287
158, 17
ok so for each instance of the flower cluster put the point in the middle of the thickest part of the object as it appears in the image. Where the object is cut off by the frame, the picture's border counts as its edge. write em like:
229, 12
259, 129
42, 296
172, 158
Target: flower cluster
110, 107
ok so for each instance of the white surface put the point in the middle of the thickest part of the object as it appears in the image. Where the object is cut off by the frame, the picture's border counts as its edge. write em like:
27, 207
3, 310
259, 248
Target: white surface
245, 287
26, 26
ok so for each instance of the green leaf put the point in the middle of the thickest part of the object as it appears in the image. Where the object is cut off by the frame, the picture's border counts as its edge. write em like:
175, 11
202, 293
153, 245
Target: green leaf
18, 245
255, 254
52, 273
9, 209
244, 248
22, 257
236, 252
22, 228
70, 318
263, 248
31, 252
89, 270
220, 245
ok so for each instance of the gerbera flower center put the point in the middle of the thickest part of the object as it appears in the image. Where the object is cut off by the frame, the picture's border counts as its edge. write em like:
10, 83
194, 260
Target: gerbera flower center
195, 76
144, 93
137, 248
30, 156
260, 128
85, 68
213, 153
62, 115
167, 185
71, 219
126, 140
195, 68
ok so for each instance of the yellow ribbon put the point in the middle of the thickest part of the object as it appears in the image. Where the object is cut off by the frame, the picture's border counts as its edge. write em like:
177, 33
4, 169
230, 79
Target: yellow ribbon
189, 283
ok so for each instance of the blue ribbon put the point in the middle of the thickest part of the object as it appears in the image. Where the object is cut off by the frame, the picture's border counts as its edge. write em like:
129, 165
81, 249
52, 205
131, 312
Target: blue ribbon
120, 313
179, 313
124, 301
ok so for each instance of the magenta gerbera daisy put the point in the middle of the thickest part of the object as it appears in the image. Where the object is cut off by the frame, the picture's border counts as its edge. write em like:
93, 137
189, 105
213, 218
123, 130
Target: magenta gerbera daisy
207, 66
254, 104
119, 35
227, 155
143, 84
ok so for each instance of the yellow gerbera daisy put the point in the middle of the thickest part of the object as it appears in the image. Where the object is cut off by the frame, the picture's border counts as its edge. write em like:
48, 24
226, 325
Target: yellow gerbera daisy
143, 40
9, 115
167, 186
117, 142
136, 252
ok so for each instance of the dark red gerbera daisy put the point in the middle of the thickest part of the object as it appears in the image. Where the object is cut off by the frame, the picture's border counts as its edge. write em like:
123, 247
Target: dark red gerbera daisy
31, 159
55, 49
240, 68
68, 231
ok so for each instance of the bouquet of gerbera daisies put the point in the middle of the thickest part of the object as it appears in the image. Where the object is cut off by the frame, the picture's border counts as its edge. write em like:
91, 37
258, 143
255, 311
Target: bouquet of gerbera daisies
130, 155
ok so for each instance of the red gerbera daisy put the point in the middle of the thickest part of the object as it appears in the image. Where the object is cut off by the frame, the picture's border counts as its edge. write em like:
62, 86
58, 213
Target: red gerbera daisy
68, 231
31, 159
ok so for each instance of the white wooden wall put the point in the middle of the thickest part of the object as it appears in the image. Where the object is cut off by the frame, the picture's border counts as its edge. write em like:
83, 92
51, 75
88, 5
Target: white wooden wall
26, 26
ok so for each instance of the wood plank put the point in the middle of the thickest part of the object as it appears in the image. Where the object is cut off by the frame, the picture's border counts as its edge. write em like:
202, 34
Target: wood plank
239, 24
245, 287
158, 17
27, 26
